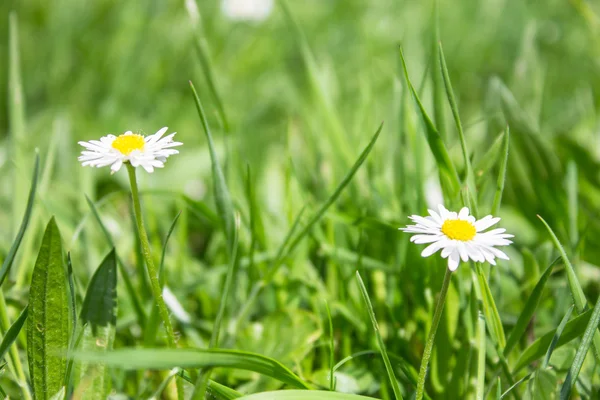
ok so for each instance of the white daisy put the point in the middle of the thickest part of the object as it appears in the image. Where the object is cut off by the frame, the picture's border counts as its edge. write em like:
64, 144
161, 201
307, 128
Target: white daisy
149, 152
459, 236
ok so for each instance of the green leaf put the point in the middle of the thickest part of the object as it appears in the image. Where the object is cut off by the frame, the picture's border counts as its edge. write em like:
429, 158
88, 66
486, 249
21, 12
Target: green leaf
131, 291
98, 319
303, 395
436, 144
144, 359
60, 395
490, 310
10, 257
582, 350
557, 334
537, 349
48, 328
481, 344
530, 306
221, 392
384, 355
543, 385
222, 196
13, 332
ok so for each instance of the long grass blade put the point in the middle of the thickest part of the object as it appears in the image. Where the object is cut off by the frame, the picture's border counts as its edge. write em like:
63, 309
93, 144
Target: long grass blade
501, 173
13, 332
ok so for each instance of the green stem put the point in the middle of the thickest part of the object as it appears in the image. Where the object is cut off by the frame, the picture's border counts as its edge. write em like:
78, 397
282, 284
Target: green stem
434, 325
152, 270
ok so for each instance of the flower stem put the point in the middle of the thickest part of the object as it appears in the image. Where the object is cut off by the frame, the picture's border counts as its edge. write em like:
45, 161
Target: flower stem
152, 270
431, 338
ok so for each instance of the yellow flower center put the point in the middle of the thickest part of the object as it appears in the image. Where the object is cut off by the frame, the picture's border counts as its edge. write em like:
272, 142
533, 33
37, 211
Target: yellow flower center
128, 143
459, 230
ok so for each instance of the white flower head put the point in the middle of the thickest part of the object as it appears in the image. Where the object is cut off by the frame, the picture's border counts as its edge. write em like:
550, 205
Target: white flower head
148, 152
247, 10
459, 236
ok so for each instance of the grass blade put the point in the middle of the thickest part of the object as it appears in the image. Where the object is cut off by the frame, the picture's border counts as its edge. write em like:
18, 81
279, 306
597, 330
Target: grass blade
470, 176
48, 328
480, 356
559, 331
303, 395
384, 355
502, 173
576, 291
489, 309
530, 306
10, 257
584, 347
436, 144
222, 196
144, 359
13, 332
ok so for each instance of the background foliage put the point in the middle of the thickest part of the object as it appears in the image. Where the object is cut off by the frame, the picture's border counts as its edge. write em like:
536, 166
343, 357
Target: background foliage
292, 102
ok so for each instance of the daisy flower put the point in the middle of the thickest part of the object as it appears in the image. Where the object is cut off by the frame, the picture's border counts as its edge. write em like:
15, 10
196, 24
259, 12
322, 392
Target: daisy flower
459, 235
149, 152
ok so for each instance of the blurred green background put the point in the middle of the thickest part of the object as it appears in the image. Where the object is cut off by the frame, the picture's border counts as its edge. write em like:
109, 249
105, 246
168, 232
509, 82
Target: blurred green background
294, 98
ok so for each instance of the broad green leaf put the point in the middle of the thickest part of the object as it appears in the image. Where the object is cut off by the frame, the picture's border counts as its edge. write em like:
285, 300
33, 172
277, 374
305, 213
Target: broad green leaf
528, 311
436, 144
10, 257
582, 350
13, 332
60, 395
384, 355
221, 392
537, 349
98, 319
221, 192
543, 385
303, 395
144, 359
48, 328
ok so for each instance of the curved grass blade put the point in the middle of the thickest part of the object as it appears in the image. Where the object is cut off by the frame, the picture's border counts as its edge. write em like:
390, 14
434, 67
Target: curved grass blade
530, 306
573, 329
480, 388
144, 359
48, 329
13, 332
434, 139
132, 293
470, 176
222, 196
303, 395
582, 350
163, 385
576, 291
221, 392
490, 310
559, 331
10, 257
502, 173
384, 355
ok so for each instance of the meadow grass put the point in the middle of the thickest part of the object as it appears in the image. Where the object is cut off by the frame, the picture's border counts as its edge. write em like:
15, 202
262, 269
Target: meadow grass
309, 138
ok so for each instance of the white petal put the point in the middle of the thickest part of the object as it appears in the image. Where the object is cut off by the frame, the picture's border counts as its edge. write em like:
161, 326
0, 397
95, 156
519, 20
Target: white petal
464, 213
436, 217
453, 260
462, 251
425, 221
447, 251
421, 239
485, 223
432, 248
443, 212
116, 166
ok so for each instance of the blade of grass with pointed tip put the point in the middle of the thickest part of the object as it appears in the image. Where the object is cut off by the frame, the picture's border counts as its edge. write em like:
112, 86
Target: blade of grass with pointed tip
131, 292
480, 387
556, 337
530, 306
48, 329
586, 342
501, 173
384, 355
13, 332
470, 176
438, 91
303, 395
576, 291
436, 144
10, 257
154, 321
144, 359
573, 329
572, 195
221, 192
489, 308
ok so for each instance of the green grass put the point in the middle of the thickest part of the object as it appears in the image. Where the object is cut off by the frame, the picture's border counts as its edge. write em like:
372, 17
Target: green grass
309, 138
